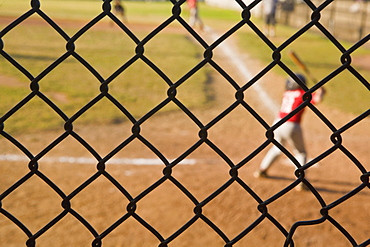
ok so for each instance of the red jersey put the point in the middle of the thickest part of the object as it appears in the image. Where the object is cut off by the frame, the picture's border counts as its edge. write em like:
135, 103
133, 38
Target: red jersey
192, 3
291, 100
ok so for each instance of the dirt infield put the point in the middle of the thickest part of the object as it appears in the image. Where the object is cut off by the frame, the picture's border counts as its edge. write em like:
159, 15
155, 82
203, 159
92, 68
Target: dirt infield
166, 208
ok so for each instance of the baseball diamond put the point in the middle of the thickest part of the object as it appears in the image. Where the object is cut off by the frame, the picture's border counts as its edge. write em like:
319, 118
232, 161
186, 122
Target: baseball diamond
143, 130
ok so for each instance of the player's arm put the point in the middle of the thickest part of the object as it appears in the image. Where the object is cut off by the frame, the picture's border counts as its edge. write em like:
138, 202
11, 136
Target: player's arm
318, 96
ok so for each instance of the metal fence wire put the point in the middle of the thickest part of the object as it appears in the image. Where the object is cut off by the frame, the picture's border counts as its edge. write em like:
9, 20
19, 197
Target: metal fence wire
170, 165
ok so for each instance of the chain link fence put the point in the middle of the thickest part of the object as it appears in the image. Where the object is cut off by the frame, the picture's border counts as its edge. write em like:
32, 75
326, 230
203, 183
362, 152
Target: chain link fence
169, 166
346, 20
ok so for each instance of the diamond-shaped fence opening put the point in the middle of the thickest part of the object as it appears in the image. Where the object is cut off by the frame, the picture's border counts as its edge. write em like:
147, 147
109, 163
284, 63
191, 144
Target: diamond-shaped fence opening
147, 130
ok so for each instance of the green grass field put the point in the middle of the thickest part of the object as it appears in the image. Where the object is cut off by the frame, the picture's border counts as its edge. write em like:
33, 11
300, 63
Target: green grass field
70, 85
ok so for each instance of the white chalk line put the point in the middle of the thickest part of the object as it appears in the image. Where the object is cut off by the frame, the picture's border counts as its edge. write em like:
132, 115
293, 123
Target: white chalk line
238, 63
85, 160
114, 161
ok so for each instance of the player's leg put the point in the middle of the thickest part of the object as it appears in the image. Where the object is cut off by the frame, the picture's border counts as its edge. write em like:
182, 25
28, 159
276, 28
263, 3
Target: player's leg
299, 150
266, 25
273, 153
193, 18
198, 20
272, 30
267, 161
297, 143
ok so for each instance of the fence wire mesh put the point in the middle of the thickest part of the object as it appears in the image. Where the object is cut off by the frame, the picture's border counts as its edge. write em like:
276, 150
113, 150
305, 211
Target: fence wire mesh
131, 201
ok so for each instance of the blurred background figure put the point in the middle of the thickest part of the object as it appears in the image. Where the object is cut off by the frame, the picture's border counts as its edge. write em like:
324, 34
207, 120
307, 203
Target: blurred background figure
194, 19
119, 10
269, 11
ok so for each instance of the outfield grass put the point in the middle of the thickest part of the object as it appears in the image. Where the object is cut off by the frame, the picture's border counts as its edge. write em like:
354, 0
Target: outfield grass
71, 85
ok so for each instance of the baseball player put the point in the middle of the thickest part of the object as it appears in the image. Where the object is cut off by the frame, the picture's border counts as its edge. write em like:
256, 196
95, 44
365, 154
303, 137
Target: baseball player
119, 10
290, 131
269, 10
194, 15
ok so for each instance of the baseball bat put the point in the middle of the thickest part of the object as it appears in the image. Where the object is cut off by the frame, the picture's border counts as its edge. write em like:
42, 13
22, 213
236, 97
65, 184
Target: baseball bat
294, 57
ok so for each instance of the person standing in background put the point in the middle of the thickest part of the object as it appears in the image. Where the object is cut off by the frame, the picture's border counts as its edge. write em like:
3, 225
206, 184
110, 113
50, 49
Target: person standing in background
269, 10
194, 19
119, 10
